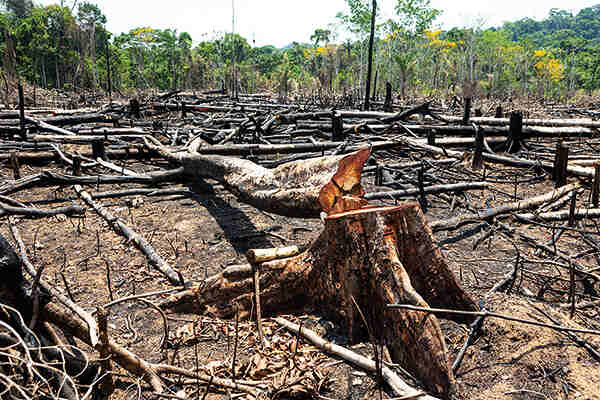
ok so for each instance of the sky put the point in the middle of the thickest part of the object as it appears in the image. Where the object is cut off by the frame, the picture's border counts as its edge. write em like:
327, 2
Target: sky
281, 22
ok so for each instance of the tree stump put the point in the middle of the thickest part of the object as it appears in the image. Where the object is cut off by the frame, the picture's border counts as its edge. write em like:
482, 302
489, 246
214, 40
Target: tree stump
368, 258
365, 258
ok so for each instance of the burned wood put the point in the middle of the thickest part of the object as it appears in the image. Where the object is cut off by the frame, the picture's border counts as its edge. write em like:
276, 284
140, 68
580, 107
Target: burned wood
456, 222
434, 189
39, 213
596, 186
285, 283
52, 178
422, 109
22, 130
92, 327
561, 161
291, 189
487, 314
355, 254
579, 213
392, 253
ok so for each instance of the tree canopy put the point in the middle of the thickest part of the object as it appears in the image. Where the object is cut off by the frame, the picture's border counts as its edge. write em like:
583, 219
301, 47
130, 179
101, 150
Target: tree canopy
60, 47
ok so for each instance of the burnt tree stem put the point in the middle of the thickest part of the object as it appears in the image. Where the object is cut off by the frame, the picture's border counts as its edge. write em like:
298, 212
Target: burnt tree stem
596, 186
22, 113
370, 62
515, 131
388, 97
561, 163
478, 155
467, 111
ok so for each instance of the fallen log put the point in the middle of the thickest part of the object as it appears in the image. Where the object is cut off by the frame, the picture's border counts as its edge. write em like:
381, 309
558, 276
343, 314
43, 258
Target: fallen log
461, 130
292, 189
457, 222
53, 178
39, 213
64, 120
487, 121
433, 189
82, 139
246, 149
44, 156
494, 158
563, 215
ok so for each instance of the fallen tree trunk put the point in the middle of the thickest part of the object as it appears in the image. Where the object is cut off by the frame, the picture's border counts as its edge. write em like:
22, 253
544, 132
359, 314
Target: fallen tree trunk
64, 120
53, 178
562, 215
433, 189
365, 258
292, 189
43, 156
494, 158
488, 121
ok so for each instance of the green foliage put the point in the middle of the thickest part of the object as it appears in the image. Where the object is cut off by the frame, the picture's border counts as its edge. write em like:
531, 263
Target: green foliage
54, 47
416, 16
358, 21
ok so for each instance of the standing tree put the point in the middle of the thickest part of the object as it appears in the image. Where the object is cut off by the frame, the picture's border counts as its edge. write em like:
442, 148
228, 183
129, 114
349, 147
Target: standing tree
90, 17
414, 17
358, 22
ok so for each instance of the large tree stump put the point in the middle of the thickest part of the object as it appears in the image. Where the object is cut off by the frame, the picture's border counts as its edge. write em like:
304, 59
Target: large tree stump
372, 256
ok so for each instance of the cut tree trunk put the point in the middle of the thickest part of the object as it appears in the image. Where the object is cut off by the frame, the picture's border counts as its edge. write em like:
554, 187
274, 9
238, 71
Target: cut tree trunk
364, 259
292, 189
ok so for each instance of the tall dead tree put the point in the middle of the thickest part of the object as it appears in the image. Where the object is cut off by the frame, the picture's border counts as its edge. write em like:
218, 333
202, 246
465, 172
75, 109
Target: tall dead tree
370, 61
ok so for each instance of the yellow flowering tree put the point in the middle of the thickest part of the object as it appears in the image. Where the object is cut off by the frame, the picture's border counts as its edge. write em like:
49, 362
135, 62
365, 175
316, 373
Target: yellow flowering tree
438, 53
549, 70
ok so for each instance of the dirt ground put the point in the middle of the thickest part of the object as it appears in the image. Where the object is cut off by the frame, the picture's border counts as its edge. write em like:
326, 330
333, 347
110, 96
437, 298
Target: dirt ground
210, 230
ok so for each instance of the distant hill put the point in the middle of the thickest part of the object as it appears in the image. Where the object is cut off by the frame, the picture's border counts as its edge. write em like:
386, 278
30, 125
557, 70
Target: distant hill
291, 46
559, 27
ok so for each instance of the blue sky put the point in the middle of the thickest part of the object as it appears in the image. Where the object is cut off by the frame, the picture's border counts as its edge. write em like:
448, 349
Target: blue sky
280, 22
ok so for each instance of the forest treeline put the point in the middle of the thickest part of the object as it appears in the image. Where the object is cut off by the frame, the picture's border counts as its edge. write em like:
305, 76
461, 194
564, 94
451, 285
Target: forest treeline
68, 47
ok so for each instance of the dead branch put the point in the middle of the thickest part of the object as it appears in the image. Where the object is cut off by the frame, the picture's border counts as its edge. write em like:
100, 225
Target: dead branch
84, 315
39, 213
457, 222
399, 387
121, 228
